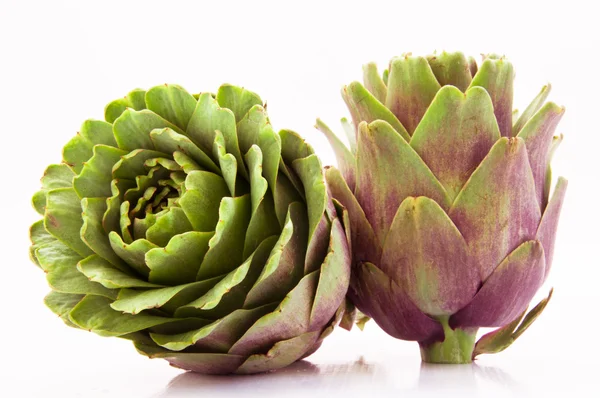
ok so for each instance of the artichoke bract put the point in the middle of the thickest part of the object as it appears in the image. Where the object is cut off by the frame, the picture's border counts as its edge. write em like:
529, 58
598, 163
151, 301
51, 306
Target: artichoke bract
448, 195
186, 224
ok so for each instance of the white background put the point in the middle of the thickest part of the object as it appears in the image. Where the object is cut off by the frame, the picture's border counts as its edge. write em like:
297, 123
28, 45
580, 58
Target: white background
61, 62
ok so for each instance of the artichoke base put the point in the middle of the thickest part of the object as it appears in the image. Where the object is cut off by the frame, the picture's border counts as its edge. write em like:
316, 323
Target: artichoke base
456, 348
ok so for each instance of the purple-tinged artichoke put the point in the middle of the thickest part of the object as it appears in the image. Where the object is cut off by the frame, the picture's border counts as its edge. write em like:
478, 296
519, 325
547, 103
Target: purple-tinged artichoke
188, 225
448, 195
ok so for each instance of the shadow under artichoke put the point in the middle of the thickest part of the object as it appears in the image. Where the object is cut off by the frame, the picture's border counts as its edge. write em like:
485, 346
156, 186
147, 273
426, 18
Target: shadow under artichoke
186, 224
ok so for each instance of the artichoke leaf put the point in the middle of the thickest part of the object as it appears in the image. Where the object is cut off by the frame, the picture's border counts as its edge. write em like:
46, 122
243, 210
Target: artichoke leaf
135, 99
237, 99
226, 246
61, 304
168, 225
101, 271
451, 69
171, 102
281, 354
132, 129
500, 339
345, 159
61, 205
334, 277
368, 108
411, 88
94, 313
381, 153
179, 261
495, 218
508, 290
290, 319
60, 264
202, 198
229, 293
169, 299
496, 76
133, 253
531, 109
285, 264
455, 134
93, 234
217, 336
80, 148
168, 141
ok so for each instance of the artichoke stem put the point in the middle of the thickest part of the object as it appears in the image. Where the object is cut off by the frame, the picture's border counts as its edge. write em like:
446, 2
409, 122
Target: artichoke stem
456, 348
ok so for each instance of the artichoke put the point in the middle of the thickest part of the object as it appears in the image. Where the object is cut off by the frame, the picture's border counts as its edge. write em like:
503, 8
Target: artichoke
186, 224
447, 192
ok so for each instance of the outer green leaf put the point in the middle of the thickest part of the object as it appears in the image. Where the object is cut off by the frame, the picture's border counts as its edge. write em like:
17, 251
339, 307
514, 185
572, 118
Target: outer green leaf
94, 313
38, 236
132, 129
172, 102
55, 176
238, 100
282, 354
60, 263
218, 336
63, 219
61, 304
96, 175
99, 270
135, 100
206, 363
290, 319
135, 301
79, 149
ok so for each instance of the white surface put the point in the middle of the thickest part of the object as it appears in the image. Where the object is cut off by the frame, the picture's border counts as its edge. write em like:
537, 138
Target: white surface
61, 62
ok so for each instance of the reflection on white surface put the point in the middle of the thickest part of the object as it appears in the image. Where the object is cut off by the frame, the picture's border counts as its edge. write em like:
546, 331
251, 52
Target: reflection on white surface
350, 379
349, 364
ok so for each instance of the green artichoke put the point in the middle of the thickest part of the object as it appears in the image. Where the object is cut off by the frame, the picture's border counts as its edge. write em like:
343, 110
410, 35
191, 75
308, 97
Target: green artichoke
186, 224
447, 193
